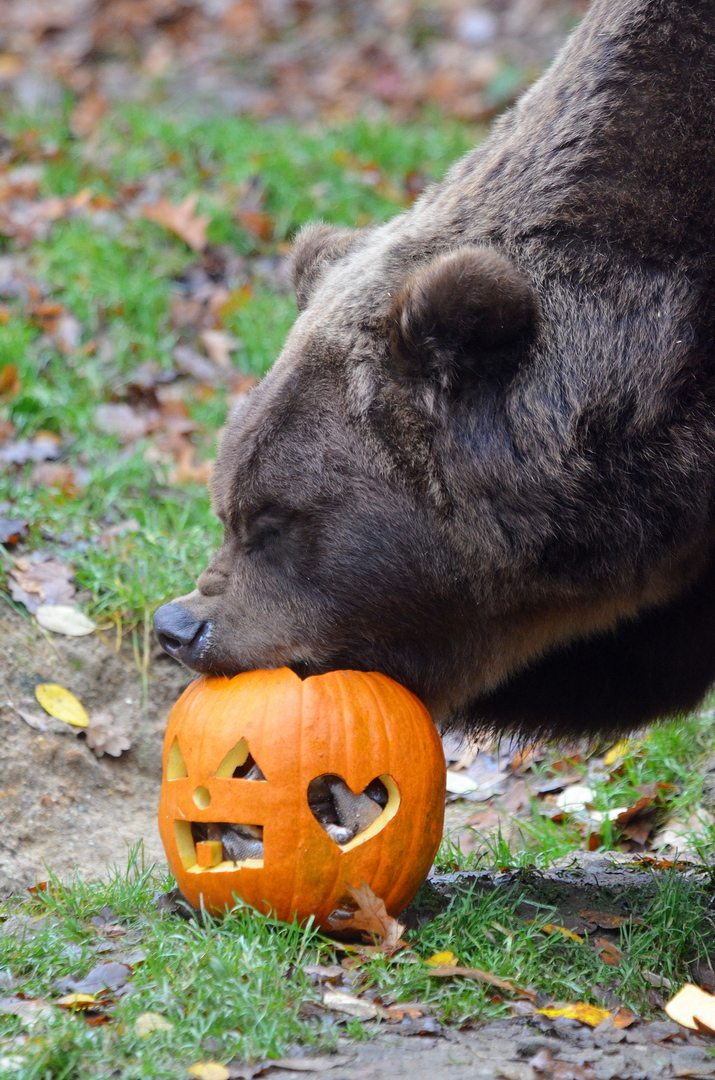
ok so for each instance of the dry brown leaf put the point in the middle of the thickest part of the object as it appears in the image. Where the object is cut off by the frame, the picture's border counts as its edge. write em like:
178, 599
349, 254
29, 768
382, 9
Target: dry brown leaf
49, 474
10, 382
623, 1018
38, 579
87, 114
341, 1001
187, 471
606, 920
104, 737
180, 219
256, 222
219, 345
608, 952
118, 418
27, 1009
372, 918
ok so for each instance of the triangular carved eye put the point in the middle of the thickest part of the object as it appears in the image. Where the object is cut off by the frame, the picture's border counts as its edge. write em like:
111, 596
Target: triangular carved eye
239, 764
176, 767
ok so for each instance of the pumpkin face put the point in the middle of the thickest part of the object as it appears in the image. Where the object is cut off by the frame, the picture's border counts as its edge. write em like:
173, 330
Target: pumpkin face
258, 770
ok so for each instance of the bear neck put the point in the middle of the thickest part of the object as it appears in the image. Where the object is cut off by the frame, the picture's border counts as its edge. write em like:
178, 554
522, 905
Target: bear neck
616, 142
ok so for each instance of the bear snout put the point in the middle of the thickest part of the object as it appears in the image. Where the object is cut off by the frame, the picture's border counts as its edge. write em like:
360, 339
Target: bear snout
180, 634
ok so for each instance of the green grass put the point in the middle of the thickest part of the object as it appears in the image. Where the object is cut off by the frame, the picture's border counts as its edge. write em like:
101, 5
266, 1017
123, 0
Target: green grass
233, 988
117, 273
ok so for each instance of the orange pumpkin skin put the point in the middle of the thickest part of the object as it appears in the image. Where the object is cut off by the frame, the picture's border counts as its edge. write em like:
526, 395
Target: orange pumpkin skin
351, 723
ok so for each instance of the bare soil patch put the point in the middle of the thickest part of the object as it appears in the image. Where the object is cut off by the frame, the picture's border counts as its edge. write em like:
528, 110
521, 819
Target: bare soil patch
61, 806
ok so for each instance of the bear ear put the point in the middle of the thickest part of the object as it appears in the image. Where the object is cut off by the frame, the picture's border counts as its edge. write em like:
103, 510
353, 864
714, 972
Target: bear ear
456, 314
313, 249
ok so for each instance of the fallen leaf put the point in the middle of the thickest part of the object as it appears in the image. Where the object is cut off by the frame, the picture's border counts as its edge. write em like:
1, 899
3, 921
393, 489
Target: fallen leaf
62, 704
256, 222
120, 419
76, 1001
373, 919
87, 114
623, 1017
103, 737
50, 474
576, 798
12, 530
250, 212
209, 1070
187, 471
608, 952
485, 977
318, 972
10, 384
411, 1010
693, 1008
442, 959
586, 1014
617, 752
107, 976
552, 928
180, 219
607, 921
10, 66
219, 345
460, 783
32, 719
39, 579
27, 1009
62, 619
149, 1022
45, 446
653, 979
703, 976
340, 1001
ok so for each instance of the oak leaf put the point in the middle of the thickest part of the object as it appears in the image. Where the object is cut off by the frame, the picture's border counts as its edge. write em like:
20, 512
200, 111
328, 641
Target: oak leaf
181, 219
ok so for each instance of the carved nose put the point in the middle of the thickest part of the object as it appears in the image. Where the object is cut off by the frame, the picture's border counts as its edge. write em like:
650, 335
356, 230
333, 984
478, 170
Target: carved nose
180, 634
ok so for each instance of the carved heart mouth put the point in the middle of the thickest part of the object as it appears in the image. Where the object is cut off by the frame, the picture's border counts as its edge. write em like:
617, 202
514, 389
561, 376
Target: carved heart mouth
349, 818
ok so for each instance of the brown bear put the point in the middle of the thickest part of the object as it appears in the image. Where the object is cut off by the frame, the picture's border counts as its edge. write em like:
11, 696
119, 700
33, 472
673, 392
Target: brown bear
484, 462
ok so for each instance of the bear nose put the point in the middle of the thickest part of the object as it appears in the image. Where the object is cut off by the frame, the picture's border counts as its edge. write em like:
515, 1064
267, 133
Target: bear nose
180, 634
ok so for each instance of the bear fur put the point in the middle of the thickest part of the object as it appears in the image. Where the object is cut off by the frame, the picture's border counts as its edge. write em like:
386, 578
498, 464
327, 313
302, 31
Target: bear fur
484, 462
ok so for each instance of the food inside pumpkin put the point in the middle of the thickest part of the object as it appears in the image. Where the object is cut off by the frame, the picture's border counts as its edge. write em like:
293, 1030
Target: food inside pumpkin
342, 814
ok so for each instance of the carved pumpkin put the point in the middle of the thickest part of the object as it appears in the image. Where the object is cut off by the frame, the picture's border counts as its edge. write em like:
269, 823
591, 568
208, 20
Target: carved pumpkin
258, 770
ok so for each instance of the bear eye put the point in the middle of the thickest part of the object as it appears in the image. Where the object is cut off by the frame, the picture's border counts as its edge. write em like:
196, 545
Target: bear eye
262, 528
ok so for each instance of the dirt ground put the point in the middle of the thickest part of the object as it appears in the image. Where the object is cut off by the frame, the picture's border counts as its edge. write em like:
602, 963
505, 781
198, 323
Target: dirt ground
60, 806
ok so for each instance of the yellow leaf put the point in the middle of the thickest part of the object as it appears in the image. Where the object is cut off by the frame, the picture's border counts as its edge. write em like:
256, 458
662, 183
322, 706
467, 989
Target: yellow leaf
552, 928
61, 704
587, 1014
442, 959
76, 1001
209, 1070
617, 752
149, 1022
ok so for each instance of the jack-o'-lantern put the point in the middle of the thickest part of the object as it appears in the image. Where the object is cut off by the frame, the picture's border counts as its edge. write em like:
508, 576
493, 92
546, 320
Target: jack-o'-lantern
283, 792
